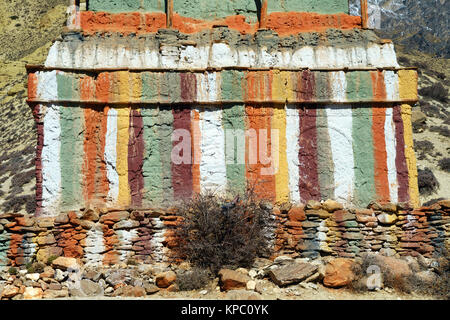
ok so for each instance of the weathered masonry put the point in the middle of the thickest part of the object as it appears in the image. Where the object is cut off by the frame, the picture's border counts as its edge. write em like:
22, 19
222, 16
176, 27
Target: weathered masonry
142, 103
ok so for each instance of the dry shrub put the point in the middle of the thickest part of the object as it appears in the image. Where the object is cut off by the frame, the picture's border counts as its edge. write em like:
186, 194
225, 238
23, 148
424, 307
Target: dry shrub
194, 279
215, 233
428, 184
444, 164
442, 130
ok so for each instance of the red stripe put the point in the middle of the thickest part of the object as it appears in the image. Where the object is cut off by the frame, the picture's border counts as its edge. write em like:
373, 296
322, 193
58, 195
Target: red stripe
188, 87
308, 166
136, 147
182, 173
400, 160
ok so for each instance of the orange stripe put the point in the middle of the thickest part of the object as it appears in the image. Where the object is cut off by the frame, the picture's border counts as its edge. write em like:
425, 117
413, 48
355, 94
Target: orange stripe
264, 185
381, 171
378, 86
32, 86
87, 89
102, 85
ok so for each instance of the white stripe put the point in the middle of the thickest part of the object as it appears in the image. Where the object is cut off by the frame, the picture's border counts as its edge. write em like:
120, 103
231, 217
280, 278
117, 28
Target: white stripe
158, 249
391, 151
391, 83
340, 132
111, 156
213, 90
125, 244
51, 167
47, 87
292, 151
213, 170
338, 86
202, 87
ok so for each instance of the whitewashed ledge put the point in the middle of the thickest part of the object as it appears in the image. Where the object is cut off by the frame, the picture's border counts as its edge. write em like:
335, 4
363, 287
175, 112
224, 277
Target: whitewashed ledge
108, 54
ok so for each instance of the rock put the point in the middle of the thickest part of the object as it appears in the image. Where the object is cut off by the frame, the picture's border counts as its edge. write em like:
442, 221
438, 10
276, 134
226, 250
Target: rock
413, 264
297, 214
292, 273
87, 224
313, 204
203, 292
338, 273
397, 268
54, 294
10, 291
46, 223
91, 215
165, 279
90, 288
444, 203
129, 291
251, 285
385, 218
283, 260
46, 240
242, 295
63, 218
64, 263
253, 273
45, 253
32, 276
115, 216
60, 275
264, 287
126, 224
150, 288
331, 205
343, 215
92, 275
49, 272
389, 207
31, 293
231, 279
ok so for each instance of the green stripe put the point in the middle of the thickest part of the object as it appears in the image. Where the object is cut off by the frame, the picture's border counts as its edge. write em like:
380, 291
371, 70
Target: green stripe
65, 86
150, 86
323, 91
363, 155
170, 87
359, 86
234, 122
325, 160
72, 150
232, 83
157, 161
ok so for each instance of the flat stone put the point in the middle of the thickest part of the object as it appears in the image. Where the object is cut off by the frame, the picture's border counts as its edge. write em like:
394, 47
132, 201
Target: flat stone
64, 263
313, 204
331, 205
90, 288
385, 218
343, 215
32, 293
292, 273
231, 279
165, 279
297, 214
338, 273
115, 216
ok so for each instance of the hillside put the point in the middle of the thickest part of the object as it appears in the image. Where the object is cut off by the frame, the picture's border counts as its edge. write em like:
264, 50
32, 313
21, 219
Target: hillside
28, 28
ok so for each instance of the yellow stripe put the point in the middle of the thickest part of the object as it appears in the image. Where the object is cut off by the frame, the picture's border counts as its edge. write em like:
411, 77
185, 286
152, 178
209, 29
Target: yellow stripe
282, 175
123, 115
124, 86
410, 156
287, 80
136, 82
408, 85
278, 87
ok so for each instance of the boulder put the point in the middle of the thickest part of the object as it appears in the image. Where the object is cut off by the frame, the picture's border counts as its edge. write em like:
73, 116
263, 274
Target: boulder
331, 205
386, 218
90, 288
242, 295
150, 288
297, 214
338, 273
10, 291
165, 279
31, 293
230, 279
64, 263
292, 273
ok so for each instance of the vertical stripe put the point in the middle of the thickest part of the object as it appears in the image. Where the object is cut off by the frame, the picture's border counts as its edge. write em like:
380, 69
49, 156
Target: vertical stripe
51, 165
87, 89
322, 86
213, 171
306, 86
94, 145
136, 84
72, 132
196, 145
359, 86
111, 155
378, 86
308, 168
340, 125
410, 155
363, 155
135, 157
408, 84
391, 85
259, 172
188, 87
65, 86
400, 160
123, 91
282, 174
94, 246
123, 123
233, 86
292, 151
47, 86
234, 125
379, 142
389, 133
150, 86
182, 173
338, 86
324, 157
37, 113
102, 87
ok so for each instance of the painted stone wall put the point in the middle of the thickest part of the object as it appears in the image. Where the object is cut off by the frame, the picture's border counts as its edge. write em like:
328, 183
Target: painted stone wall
112, 236
214, 9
